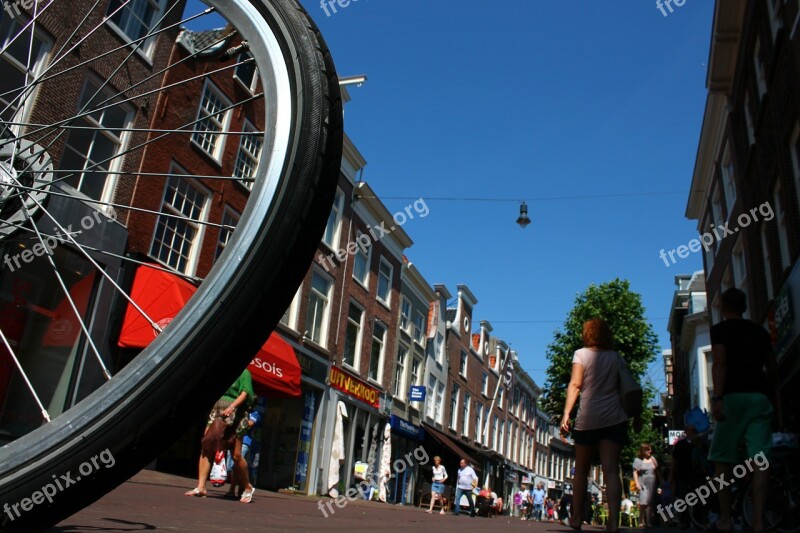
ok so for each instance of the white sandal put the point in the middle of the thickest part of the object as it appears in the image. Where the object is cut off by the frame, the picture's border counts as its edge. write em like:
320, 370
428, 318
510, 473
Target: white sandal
247, 495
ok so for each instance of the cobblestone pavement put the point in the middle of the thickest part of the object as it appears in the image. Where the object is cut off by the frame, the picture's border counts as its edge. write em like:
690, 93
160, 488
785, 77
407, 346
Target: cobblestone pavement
152, 501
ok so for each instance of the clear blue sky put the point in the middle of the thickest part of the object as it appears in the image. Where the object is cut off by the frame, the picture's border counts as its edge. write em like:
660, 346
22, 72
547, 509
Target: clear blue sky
531, 99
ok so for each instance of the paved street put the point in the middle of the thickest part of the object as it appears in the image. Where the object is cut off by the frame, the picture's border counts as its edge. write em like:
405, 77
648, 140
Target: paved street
155, 502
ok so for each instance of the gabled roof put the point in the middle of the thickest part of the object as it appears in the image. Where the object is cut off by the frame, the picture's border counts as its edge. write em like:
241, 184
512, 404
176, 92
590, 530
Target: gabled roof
207, 42
450, 314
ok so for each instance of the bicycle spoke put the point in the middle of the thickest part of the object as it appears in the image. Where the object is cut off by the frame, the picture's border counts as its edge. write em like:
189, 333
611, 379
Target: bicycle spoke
25, 378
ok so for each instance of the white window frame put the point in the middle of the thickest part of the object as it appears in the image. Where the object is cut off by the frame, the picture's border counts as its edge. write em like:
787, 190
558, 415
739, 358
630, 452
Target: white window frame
244, 152
367, 256
500, 397
224, 233
251, 87
767, 261
463, 363
223, 123
438, 411
466, 413
760, 69
381, 341
335, 219
415, 377
478, 421
199, 226
405, 315
439, 348
485, 385
147, 48
39, 64
455, 393
400, 370
739, 263
290, 315
389, 280
419, 327
122, 141
749, 119
728, 174
359, 337
326, 312
430, 402
780, 218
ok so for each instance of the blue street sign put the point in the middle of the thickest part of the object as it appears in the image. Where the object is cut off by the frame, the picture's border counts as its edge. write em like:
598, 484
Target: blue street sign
417, 393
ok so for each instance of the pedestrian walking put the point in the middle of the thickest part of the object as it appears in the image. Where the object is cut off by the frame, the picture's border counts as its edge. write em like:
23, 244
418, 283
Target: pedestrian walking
601, 424
466, 481
645, 474
437, 483
227, 413
239, 459
741, 402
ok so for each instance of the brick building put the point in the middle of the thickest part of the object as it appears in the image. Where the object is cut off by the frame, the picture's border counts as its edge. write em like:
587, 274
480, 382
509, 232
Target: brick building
747, 173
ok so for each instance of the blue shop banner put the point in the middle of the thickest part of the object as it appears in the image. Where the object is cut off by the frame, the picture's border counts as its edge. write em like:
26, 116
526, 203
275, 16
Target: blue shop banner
406, 428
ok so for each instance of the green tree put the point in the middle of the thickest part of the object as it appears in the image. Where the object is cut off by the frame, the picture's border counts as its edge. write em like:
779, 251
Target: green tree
634, 339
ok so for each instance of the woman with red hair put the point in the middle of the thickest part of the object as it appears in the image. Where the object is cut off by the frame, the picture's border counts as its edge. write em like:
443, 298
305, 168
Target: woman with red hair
601, 424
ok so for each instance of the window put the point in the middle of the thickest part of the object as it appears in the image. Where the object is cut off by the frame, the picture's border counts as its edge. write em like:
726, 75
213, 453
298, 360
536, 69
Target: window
289, 318
761, 71
400, 371
485, 384
500, 398
739, 266
485, 422
229, 220
728, 183
416, 365
718, 209
430, 403
376, 353
331, 235
439, 348
405, 315
213, 117
179, 232
463, 368
250, 143
352, 337
794, 149
439, 403
501, 446
136, 18
419, 327
245, 71
465, 420
454, 407
711, 251
14, 61
361, 260
478, 422
748, 117
93, 147
783, 237
767, 261
318, 309
494, 433
385, 272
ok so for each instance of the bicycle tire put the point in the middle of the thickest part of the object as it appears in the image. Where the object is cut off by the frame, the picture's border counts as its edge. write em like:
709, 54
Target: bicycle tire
774, 505
156, 397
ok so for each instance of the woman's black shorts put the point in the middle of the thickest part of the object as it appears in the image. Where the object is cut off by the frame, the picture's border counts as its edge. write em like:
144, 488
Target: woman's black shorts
617, 433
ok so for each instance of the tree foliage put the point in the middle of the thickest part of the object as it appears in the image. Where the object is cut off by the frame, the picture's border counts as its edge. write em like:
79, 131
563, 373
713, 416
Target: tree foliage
634, 339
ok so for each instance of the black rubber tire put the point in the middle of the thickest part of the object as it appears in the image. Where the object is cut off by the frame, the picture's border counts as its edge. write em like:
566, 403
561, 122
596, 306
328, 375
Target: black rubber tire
159, 395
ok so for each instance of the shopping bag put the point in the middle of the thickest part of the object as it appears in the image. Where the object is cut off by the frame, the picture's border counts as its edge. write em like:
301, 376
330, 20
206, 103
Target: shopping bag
219, 470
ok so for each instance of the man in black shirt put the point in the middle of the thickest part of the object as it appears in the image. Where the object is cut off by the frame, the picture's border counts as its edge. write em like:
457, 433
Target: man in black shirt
742, 350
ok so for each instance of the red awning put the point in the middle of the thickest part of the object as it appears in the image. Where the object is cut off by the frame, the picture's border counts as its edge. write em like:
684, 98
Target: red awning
276, 373
275, 369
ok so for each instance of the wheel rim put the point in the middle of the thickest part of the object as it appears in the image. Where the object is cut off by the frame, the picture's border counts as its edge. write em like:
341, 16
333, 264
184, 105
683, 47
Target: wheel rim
26, 165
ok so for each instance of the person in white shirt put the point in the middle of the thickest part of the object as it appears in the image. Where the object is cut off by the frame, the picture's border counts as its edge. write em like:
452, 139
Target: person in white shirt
467, 480
525, 503
437, 485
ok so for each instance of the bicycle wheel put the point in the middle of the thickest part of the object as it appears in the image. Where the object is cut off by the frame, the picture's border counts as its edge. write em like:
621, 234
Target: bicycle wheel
147, 92
774, 504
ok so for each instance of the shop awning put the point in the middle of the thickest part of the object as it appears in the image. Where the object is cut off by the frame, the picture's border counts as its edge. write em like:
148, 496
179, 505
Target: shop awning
450, 444
275, 369
276, 372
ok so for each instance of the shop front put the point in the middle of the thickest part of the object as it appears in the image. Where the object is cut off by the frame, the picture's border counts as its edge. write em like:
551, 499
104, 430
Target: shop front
38, 317
408, 452
357, 406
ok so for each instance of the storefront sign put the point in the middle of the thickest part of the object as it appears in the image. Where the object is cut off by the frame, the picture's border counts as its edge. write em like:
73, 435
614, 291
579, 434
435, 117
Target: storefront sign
511, 476
354, 387
526, 480
406, 428
674, 436
417, 393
